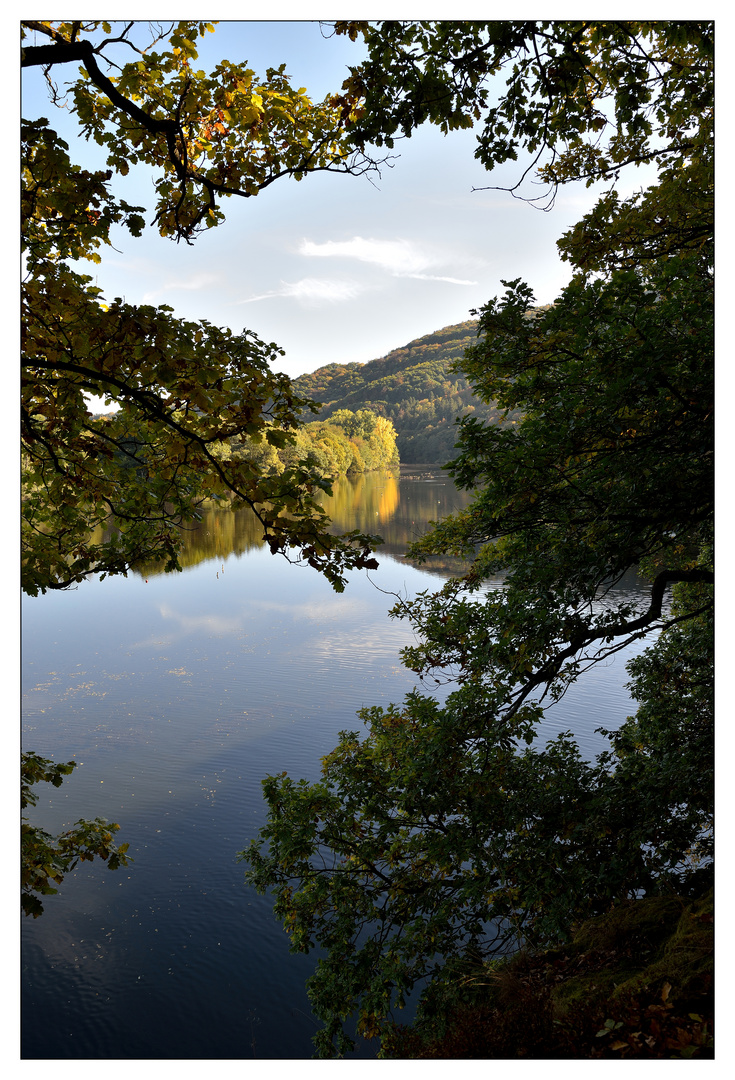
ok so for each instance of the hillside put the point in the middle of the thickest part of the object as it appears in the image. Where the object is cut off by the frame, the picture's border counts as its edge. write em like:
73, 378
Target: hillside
412, 386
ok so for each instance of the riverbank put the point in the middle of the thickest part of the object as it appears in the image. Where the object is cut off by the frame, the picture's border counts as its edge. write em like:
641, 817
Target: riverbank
636, 983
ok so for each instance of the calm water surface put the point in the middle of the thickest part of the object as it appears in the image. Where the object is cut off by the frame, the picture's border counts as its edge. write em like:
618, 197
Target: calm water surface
177, 694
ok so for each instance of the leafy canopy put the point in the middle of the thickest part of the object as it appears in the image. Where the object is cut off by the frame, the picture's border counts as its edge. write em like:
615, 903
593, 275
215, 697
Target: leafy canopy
583, 99
206, 136
449, 833
181, 388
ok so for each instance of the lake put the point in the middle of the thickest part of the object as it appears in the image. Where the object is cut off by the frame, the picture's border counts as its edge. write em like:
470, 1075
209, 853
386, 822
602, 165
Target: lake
177, 694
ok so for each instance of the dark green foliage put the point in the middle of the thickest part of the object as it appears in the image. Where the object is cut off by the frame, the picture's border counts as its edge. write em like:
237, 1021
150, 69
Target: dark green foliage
46, 858
633, 984
438, 836
447, 834
581, 99
666, 752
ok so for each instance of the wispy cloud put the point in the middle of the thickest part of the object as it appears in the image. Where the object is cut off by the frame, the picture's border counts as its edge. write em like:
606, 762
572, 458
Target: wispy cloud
189, 284
399, 258
312, 292
438, 277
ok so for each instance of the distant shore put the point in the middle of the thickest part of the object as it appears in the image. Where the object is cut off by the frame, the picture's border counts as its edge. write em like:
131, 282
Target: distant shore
422, 471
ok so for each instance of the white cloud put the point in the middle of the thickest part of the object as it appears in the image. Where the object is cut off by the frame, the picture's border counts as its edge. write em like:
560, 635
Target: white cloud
400, 258
436, 277
312, 292
189, 284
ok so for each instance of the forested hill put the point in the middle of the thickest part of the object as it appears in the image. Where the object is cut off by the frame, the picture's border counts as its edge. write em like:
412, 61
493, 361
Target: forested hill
411, 386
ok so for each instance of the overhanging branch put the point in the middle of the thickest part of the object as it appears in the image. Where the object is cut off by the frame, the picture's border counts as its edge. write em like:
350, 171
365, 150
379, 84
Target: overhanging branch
632, 629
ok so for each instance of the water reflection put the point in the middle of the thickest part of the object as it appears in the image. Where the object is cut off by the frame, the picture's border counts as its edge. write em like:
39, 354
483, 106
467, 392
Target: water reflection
397, 509
177, 694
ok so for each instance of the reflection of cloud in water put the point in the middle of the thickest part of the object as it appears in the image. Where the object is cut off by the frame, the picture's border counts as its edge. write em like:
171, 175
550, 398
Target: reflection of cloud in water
363, 646
317, 610
310, 611
213, 624
189, 624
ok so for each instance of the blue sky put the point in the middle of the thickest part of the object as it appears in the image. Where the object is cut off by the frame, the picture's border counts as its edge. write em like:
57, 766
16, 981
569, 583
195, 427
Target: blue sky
336, 268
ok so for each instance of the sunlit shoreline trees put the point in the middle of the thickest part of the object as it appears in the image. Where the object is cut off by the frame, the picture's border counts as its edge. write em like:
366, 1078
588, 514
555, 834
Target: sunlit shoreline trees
346, 443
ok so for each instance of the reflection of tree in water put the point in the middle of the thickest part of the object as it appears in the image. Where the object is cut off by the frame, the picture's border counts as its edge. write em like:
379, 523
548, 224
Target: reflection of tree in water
364, 501
219, 534
422, 501
375, 502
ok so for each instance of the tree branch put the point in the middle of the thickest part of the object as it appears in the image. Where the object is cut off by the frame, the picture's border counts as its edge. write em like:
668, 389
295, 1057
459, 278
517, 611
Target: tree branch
667, 577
